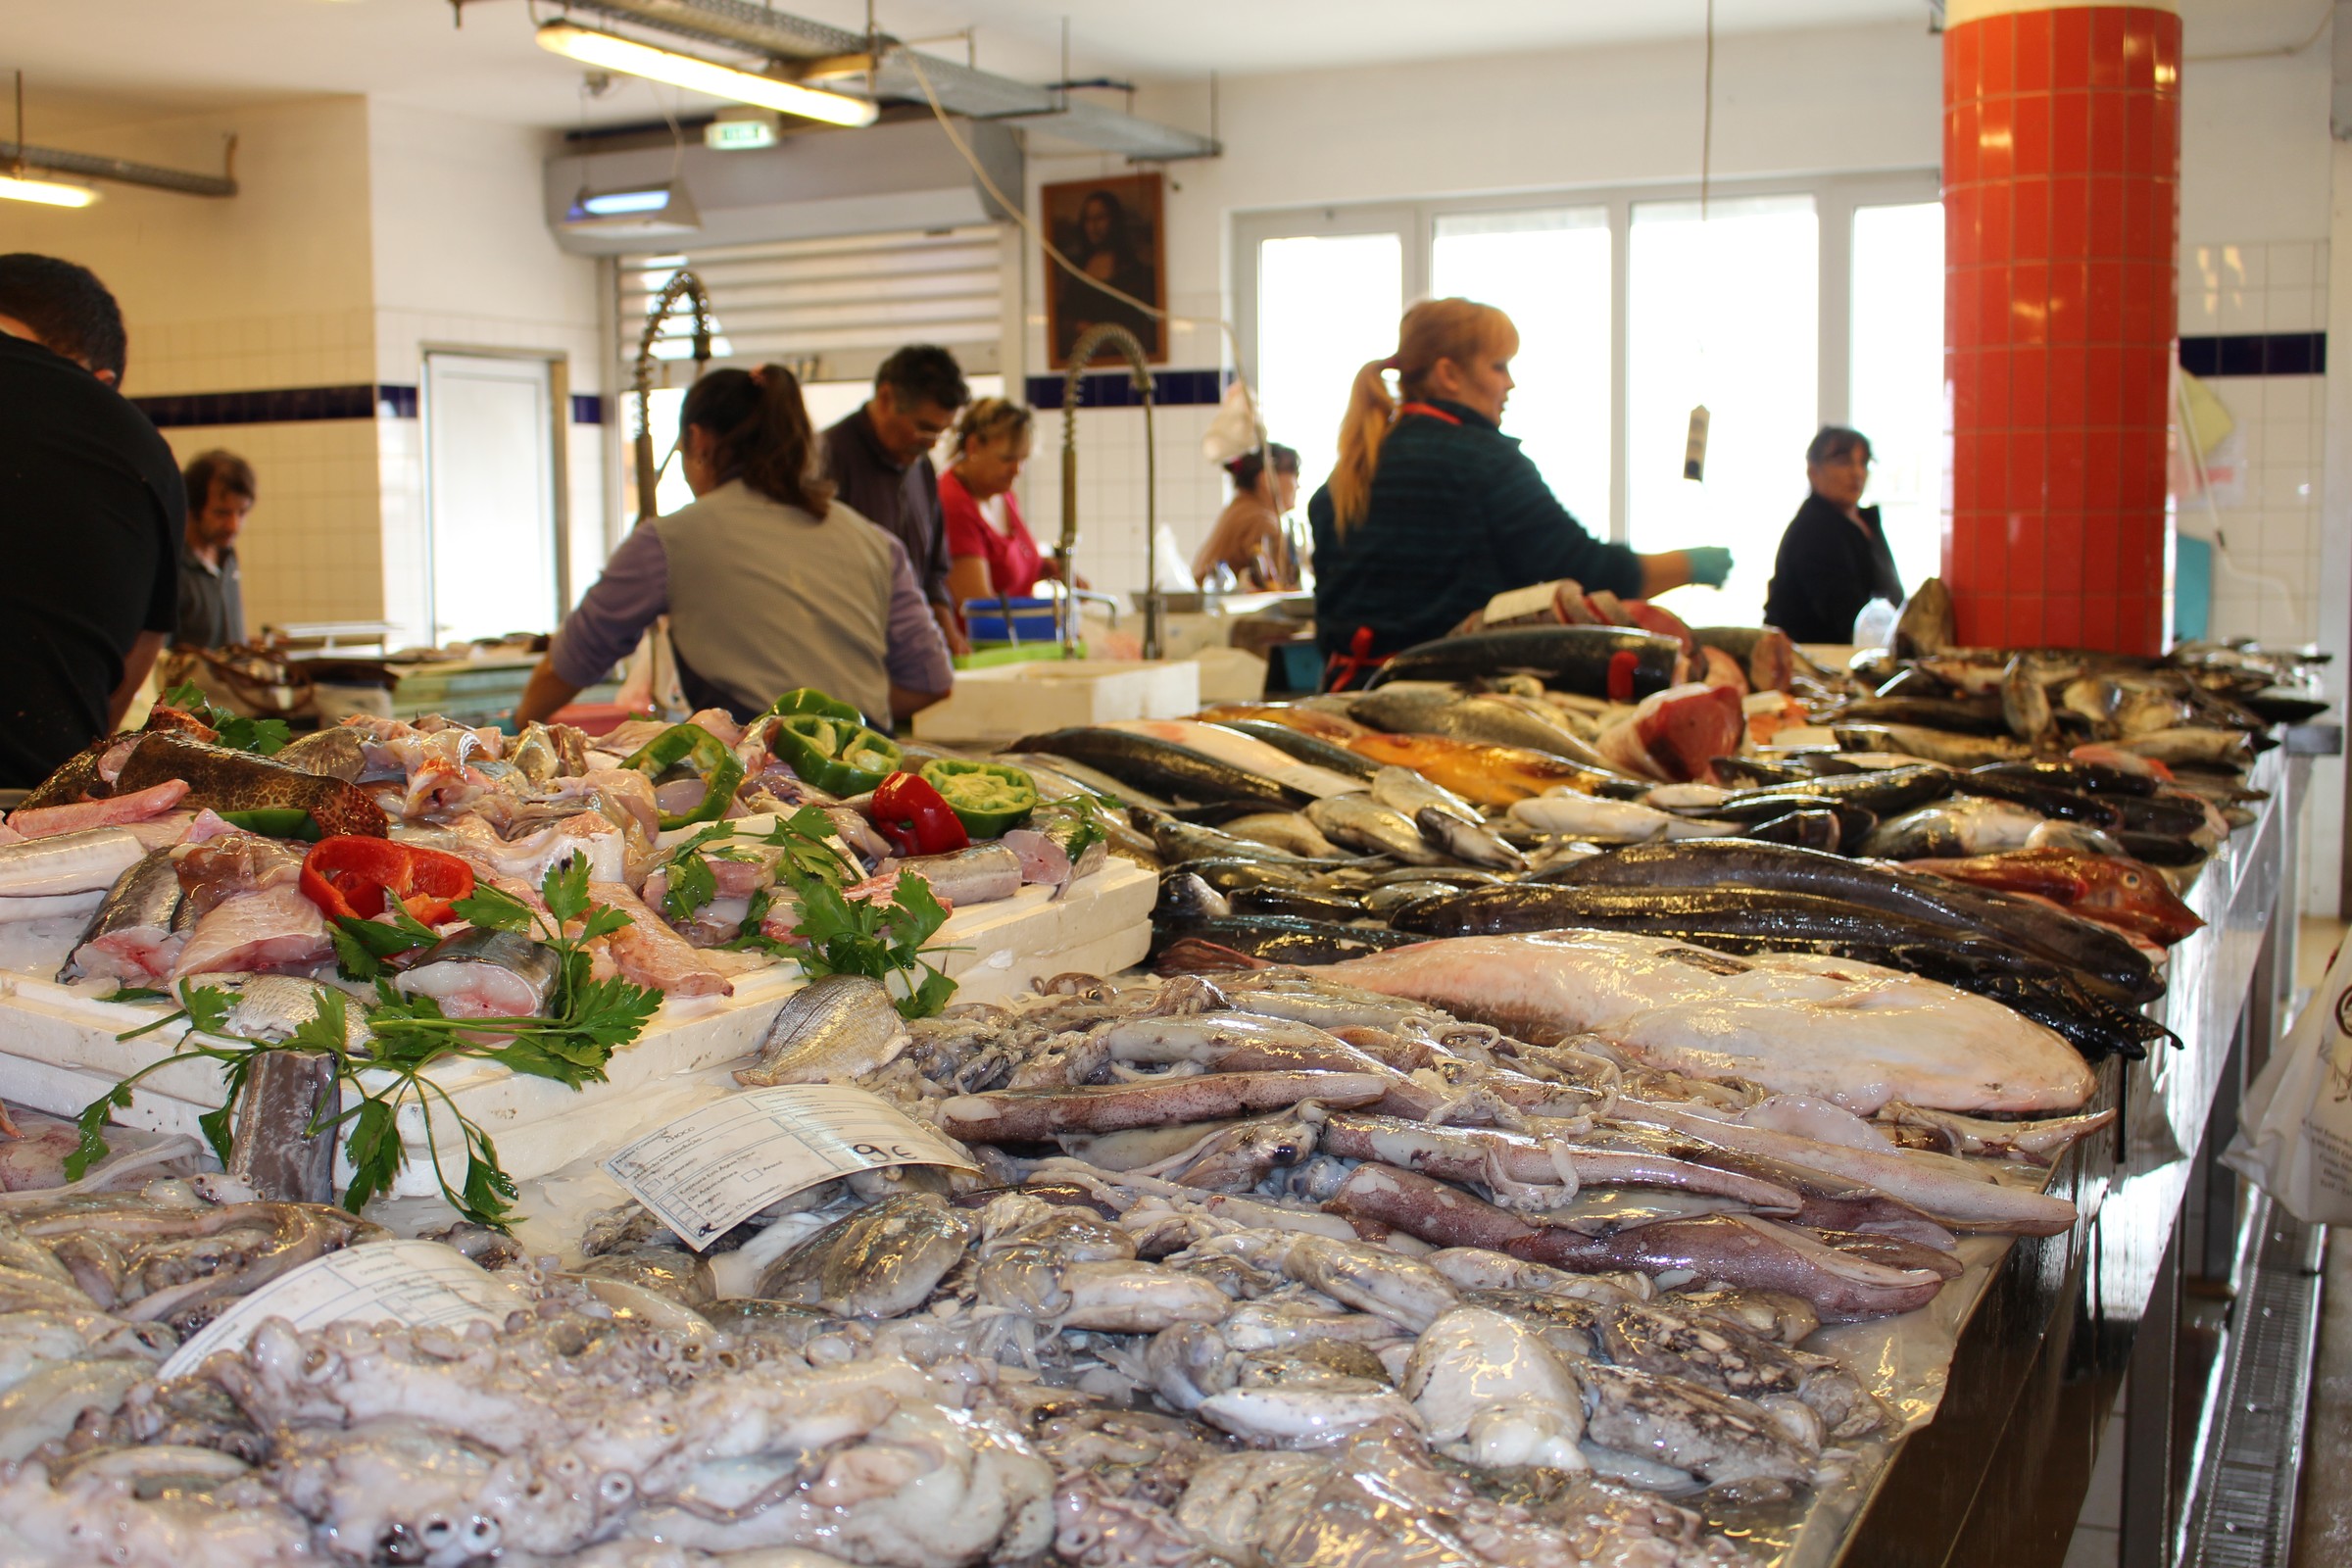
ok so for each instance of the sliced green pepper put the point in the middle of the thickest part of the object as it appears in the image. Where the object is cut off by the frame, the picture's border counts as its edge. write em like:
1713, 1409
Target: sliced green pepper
276, 822
703, 752
808, 700
835, 754
987, 798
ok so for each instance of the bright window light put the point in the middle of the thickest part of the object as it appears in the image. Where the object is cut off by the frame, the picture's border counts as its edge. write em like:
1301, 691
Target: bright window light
1548, 270
1325, 305
1724, 312
1898, 397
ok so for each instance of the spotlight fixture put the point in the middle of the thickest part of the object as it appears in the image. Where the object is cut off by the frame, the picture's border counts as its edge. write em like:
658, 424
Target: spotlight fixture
613, 52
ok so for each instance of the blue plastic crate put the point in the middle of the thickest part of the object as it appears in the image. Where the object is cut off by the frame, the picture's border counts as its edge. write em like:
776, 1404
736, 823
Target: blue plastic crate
1014, 621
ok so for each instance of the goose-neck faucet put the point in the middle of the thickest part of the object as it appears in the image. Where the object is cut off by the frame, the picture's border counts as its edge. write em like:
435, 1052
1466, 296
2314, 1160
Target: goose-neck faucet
1101, 335
682, 285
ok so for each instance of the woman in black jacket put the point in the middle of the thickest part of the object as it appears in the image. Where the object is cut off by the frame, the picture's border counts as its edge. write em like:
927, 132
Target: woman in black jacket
1833, 558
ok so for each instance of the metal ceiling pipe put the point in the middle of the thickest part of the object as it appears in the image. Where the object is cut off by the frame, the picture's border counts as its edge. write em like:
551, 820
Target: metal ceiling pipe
122, 171
961, 89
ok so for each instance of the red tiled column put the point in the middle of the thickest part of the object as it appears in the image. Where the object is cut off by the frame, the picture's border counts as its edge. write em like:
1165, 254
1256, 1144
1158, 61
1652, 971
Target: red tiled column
2061, 172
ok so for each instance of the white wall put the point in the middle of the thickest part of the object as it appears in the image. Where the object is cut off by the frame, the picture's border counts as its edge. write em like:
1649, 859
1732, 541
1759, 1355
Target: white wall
462, 258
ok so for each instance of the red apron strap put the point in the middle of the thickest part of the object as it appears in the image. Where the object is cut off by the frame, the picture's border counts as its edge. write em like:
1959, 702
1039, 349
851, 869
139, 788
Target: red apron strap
1339, 670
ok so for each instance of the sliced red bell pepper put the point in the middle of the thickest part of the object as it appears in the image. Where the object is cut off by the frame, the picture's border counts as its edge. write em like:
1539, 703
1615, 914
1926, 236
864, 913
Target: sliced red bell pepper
352, 877
915, 817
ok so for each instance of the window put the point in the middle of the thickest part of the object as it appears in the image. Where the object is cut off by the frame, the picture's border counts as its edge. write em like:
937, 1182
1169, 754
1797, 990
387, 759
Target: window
1721, 312
1799, 303
1322, 299
1897, 375
1548, 269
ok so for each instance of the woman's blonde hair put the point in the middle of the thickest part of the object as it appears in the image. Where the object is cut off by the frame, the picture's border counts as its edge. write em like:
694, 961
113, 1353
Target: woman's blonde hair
1456, 329
986, 418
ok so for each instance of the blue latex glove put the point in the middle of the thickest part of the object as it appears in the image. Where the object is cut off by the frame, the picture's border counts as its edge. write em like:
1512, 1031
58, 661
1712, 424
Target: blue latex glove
1709, 564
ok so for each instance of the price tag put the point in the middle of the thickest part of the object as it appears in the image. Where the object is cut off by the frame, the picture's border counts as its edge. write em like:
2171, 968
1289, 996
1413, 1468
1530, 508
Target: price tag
414, 1283
712, 1170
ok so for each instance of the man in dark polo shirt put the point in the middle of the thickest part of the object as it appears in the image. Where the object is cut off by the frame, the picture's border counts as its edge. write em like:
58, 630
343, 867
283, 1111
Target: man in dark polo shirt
91, 510
879, 458
212, 598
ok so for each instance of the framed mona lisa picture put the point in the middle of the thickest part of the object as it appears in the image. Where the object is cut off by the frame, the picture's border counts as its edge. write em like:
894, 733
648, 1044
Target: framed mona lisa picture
1111, 230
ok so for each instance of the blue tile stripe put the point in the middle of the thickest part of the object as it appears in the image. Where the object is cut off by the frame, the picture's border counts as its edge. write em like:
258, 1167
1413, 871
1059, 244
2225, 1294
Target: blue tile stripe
299, 405
1115, 389
2256, 354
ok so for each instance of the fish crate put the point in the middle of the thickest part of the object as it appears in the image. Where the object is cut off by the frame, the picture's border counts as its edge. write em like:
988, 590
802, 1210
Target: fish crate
58, 1051
1028, 699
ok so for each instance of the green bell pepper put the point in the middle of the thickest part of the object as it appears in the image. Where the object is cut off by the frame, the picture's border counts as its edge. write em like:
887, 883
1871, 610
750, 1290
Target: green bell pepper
838, 754
703, 752
276, 822
808, 700
987, 798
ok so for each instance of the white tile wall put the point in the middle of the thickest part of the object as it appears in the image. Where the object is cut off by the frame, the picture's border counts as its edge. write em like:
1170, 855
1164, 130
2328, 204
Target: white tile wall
237, 354
309, 549
1112, 548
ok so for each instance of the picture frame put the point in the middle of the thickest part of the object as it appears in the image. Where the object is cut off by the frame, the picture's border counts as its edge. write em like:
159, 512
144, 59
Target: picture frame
1114, 228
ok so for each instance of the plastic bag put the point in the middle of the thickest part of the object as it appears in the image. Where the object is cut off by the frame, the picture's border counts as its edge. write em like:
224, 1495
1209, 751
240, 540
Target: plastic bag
2294, 1136
1237, 427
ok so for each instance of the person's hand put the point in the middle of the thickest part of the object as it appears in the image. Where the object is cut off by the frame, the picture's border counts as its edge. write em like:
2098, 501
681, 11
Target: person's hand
1710, 564
951, 632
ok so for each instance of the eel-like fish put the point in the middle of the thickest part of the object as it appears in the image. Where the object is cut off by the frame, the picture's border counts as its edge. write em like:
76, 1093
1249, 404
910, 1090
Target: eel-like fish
223, 780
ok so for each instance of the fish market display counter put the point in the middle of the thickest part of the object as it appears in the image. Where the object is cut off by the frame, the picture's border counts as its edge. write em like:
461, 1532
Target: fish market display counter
2062, 1322
58, 1051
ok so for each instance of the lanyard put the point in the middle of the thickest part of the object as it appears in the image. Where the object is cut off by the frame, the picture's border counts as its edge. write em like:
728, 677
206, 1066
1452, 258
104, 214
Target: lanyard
1430, 410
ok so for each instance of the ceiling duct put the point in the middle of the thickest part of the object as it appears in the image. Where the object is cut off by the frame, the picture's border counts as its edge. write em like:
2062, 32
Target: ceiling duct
122, 171
961, 90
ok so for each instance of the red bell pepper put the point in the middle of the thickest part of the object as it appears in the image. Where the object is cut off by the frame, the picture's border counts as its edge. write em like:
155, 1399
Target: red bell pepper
349, 876
915, 817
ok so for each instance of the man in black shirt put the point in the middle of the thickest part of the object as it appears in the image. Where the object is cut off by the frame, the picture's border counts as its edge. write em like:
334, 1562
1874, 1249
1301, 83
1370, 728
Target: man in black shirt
879, 458
91, 508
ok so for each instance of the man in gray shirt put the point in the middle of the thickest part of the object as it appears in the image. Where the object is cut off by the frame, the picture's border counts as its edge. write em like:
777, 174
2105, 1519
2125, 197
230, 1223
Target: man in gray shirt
212, 601
879, 458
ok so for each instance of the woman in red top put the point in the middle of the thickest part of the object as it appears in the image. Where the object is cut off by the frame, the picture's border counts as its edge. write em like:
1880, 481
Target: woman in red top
990, 553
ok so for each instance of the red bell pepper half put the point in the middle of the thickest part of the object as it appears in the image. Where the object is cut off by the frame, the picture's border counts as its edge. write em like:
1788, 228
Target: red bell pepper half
915, 817
349, 876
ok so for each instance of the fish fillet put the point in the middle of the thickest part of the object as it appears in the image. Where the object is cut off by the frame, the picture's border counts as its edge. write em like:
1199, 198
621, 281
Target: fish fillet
1852, 1033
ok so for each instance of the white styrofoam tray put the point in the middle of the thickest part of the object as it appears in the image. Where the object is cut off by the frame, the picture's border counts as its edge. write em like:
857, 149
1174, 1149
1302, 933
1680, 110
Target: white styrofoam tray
1010, 701
58, 1051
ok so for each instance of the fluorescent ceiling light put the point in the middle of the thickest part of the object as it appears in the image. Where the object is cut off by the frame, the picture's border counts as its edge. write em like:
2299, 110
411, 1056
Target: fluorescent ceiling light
615, 53
47, 192
664, 209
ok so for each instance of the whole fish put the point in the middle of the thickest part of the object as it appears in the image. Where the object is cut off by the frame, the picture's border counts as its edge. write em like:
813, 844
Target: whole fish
1488, 776
2081, 778
2120, 893
481, 973
1469, 842
876, 1262
1360, 822
1304, 904
1156, 764
1324, 718
1400, 789
1179, 841
1300, 746
1288, 831
1061, 777
1248, 942
1961, 715
1568, 814
1931, 745
2220, 747
1813, 829
1883, 792
1927, 624
1228, 874
834, 1029
2040, 797
1594, 660
2025, 700
136, 933
2102, 956
1184, 896
222, 780
1244, 751
1969, 826
1423, 707
1831, 1028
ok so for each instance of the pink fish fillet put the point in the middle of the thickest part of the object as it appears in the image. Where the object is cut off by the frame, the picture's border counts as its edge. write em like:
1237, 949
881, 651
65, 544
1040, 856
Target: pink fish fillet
648, 952
1677, 734
45, 821
1662, 621
275, 929
1722, 669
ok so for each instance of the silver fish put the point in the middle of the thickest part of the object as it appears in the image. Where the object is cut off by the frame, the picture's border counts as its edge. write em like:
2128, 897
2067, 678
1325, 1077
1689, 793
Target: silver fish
2230, 748
1404, 790
1288, 831
1467, 842
833, 1030
1358, 822
1429, 707
1962, 825
503, 975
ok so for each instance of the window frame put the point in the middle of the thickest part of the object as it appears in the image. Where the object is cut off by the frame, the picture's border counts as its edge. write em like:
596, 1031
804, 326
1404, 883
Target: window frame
1835, 197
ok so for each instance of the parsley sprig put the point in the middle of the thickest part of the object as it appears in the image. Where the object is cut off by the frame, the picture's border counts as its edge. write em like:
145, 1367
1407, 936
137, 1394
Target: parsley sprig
840, 935
588, 1020
264, 736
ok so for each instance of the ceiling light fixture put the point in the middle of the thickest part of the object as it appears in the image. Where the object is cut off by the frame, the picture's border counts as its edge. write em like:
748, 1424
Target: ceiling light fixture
615, 53
17, 187
663, 209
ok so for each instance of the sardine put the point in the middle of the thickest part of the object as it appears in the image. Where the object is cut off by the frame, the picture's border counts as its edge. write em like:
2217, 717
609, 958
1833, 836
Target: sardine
1586, 660
1404, 791
835, 1029
481, 973
1360, 822
1469, 842
1288, 831
133, 937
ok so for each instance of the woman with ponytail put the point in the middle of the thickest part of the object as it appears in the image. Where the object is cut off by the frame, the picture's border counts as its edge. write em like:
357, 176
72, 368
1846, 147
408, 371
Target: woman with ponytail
1432, 510
769, 582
